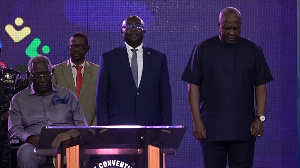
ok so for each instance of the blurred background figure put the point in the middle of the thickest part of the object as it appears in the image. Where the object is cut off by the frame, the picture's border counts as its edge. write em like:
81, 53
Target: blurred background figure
10, 83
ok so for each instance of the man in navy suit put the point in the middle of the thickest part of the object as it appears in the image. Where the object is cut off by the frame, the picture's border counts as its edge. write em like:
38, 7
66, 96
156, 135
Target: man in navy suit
126, 96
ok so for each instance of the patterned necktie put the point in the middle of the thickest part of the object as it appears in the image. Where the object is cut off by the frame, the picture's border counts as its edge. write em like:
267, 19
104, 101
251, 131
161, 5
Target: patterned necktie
78, 78
134, 67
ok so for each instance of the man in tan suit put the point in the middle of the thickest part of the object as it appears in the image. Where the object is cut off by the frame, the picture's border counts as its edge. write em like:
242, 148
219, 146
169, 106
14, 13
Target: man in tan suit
79, 75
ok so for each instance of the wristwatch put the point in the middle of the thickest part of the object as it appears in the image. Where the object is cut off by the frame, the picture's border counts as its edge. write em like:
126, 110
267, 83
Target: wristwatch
261, 118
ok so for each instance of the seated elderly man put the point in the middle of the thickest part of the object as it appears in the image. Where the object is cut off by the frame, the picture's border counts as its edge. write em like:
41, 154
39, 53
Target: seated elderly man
39, 105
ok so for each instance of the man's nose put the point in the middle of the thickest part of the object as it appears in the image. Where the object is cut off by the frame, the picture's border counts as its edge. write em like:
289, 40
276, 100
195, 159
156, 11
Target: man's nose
134, 28
231, 31
42, 78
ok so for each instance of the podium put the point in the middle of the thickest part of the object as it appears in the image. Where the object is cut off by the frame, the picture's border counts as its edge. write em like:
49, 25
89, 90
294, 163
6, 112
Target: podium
117, 146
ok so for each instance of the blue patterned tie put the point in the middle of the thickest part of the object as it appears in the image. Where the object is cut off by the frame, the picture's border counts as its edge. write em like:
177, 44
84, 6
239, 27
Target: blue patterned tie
134, 67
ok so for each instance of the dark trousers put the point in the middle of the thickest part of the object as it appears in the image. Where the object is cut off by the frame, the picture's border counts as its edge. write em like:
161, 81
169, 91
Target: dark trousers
238, 153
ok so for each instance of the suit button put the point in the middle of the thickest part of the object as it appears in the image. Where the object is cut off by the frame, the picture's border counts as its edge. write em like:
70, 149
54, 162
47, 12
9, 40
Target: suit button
138, 93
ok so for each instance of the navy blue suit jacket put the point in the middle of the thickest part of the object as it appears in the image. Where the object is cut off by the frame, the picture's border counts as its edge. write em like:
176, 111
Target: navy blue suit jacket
119, 102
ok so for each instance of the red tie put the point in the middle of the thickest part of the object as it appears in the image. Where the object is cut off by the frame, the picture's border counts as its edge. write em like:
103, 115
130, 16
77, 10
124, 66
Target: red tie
78, 78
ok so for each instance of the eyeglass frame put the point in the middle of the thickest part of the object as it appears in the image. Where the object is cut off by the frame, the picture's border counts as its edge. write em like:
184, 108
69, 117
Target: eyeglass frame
136, 26
39, 76
78, 46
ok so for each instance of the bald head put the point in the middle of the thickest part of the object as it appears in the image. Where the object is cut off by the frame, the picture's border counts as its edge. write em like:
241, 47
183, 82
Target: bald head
226, 12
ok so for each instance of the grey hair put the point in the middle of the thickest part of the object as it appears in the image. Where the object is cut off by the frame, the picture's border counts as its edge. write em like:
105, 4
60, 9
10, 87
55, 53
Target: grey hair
37, 59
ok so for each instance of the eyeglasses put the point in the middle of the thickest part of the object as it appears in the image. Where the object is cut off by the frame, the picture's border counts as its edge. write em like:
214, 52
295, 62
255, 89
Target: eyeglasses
79, 46
137, 26
39, 76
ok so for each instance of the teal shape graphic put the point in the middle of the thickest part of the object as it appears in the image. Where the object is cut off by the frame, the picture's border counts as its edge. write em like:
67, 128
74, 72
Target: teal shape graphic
31, 50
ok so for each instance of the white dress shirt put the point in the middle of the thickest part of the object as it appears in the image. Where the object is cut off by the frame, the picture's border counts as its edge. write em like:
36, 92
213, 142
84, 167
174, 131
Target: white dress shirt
139, 53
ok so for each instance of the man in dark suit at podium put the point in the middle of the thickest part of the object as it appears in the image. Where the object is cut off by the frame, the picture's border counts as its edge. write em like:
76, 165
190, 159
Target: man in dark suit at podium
39, 105
133, 82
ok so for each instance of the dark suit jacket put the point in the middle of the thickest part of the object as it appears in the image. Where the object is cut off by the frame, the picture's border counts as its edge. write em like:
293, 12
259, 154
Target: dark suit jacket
63, 76
119, 102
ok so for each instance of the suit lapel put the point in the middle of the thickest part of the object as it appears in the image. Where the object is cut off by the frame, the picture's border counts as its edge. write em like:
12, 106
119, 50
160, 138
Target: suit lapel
147, 62
68, 75
125, 64
87, 76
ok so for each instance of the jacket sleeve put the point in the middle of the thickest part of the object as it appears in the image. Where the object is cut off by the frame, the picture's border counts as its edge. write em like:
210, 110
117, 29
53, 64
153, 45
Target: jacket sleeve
15, 125
102, 92
165, 94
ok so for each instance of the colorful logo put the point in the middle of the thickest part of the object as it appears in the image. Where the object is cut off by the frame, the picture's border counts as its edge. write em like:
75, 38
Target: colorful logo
31, 50
16, 35
19, 35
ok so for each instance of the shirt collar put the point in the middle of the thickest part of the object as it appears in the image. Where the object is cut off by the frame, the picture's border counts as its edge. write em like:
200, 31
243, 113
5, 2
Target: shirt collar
32, 92
72, 64
139, 48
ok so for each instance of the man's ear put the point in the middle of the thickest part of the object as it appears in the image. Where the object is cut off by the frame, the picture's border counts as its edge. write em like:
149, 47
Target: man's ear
88, 48
122, 33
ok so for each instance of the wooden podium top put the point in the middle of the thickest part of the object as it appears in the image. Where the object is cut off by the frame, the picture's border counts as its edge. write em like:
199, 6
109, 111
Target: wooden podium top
110, 140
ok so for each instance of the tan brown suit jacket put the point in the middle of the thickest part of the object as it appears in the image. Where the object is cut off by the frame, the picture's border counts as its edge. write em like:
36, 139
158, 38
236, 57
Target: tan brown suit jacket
63, 76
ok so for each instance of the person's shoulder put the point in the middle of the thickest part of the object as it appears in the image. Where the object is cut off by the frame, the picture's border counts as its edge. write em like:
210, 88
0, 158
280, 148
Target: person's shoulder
21, 94
208, 42
248, 43
211, 40
92, 64
152, 50
59, 67
62, 64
